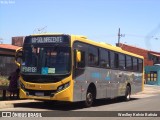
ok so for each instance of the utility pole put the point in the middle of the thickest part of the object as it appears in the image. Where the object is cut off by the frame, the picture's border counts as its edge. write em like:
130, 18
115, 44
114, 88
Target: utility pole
1, 40
119, 36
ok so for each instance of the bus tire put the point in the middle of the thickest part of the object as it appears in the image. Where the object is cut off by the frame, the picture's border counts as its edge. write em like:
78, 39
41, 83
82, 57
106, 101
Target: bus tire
49, 102
89, 97
127, 96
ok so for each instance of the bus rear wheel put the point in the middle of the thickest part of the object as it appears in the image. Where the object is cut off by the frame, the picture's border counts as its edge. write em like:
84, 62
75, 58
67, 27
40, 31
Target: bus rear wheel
127, 96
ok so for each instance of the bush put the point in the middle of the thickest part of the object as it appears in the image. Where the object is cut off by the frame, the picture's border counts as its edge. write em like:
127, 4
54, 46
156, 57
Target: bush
4, 81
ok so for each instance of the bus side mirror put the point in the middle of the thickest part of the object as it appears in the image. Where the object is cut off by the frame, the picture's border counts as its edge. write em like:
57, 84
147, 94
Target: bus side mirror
18, 54
78, 56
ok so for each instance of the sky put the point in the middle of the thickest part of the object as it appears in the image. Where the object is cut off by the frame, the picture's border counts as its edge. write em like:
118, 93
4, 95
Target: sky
98, 20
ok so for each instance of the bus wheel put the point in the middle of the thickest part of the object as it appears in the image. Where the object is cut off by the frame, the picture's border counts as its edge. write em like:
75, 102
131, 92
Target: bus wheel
89, 98
127, 96
49, 102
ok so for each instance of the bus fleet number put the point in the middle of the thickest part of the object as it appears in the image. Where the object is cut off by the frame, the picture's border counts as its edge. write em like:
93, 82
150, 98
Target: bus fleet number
29, 69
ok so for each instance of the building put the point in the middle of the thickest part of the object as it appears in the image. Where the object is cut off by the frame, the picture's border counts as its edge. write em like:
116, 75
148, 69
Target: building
18, 41
153, 75
150, 57
7, 59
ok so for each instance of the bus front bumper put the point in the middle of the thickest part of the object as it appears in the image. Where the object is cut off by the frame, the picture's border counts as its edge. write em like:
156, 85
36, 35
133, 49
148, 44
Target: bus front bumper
64, 95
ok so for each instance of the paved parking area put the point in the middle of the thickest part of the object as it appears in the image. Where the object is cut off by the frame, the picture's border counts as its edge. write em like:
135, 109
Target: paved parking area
149, 90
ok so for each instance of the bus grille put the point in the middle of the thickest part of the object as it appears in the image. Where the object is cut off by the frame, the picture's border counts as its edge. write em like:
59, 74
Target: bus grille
43, 92
42, 78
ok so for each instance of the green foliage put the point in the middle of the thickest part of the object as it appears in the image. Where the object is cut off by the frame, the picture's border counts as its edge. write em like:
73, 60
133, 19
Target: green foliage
4, 81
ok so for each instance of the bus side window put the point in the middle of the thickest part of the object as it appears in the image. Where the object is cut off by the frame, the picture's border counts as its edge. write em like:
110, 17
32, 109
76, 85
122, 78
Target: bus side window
112, 59
140, 65
104, 58
122, 61
135, 64
93, 56
129, 63
116, 58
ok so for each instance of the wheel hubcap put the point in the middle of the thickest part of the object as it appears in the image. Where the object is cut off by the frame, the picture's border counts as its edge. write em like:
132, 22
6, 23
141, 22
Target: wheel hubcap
89, 98
128, 96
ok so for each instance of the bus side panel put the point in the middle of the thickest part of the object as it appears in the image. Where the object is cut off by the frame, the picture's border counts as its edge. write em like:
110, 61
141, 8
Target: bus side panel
83, 80
105, 83
132, 78
137, 83
123, 77
94, 75
79, 81
109, 83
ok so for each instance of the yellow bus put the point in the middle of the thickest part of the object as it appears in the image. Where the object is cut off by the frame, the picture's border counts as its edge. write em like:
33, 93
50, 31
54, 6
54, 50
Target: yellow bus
61, 67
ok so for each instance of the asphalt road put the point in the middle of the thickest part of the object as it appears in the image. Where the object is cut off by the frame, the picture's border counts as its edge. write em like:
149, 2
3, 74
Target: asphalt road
135, 104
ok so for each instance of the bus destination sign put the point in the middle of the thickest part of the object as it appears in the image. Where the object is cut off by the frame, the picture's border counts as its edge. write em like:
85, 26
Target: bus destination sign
52, 39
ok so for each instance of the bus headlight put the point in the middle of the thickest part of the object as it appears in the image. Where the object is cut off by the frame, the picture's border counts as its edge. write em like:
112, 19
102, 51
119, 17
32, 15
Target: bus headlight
22, 85
61, 87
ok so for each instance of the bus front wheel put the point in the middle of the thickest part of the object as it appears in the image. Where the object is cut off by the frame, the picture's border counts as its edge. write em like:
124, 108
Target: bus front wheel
89, 98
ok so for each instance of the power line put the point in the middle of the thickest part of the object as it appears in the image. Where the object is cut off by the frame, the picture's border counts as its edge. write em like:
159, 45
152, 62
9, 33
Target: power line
142, 36
40, 30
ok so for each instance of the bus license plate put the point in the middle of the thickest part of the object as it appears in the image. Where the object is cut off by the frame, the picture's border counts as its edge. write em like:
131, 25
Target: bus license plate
39, 94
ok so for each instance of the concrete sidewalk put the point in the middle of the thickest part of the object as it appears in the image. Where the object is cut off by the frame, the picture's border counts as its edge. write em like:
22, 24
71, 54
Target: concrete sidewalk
10, 103
149, 90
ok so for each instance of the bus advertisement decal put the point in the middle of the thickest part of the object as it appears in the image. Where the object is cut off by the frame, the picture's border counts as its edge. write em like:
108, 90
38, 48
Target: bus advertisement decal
44, 71
51, 70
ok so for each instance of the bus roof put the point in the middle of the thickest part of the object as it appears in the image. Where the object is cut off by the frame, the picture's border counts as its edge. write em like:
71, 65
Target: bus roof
43, 34
107, 46
99, 44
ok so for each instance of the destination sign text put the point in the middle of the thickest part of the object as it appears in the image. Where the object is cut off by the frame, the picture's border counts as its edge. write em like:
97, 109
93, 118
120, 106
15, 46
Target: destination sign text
47, 39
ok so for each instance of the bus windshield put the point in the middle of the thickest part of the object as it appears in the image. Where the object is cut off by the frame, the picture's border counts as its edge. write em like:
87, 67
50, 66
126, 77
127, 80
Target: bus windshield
46, 60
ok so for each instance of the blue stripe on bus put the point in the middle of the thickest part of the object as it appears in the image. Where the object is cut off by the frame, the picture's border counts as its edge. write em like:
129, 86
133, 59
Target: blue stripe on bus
98, 76
107, 78
95, 75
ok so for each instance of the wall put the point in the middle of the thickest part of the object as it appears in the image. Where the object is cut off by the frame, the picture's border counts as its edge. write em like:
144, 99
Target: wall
18, 41
7, 65
155, 71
